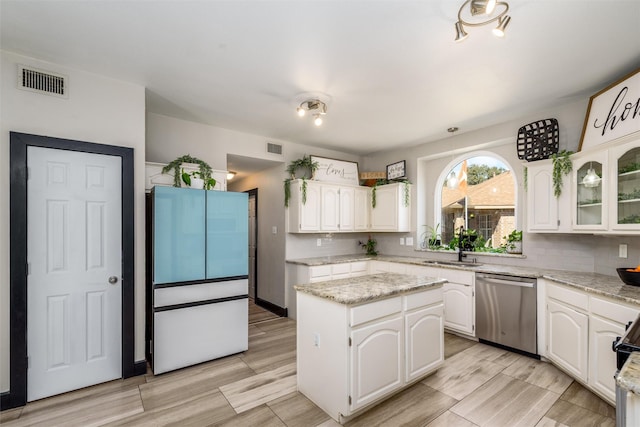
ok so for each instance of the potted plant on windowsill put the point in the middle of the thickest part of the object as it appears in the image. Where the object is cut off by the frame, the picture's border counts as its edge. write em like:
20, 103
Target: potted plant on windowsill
370, 246
514, 242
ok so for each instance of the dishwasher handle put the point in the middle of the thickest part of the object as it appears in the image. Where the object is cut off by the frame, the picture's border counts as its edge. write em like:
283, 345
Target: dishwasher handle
496, 281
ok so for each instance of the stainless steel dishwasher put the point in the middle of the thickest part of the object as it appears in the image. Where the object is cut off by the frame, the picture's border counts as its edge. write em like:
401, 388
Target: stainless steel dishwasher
506, 311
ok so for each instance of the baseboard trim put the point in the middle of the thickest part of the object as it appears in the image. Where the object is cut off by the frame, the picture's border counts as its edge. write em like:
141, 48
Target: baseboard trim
139, 368
276, 309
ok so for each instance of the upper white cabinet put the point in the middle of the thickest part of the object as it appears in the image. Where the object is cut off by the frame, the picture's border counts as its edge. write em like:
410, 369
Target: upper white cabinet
589, 193
625, 178
316, 207
607, 204
392, 211
545, 212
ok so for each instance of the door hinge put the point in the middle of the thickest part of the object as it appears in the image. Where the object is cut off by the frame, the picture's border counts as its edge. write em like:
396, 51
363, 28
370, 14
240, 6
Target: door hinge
473, 293
28, 365
28, 268
349, 341
558, 222
473, 327
349, 400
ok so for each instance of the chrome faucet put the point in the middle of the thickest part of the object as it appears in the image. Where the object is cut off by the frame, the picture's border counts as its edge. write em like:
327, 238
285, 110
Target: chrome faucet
461, 244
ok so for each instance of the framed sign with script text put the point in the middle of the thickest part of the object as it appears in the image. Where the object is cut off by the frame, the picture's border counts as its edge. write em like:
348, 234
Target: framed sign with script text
336, 171
397, 170
613, 112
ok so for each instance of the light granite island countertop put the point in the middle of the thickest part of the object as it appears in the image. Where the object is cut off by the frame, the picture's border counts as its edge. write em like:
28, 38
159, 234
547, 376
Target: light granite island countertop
372, 287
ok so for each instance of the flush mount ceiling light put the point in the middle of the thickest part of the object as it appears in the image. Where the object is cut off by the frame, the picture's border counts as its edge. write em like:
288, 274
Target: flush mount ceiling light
475, 13
230, 175
315, 107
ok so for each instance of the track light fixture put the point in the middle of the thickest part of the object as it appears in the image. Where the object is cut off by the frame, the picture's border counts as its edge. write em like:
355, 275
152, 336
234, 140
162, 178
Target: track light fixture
475, 13
315, 106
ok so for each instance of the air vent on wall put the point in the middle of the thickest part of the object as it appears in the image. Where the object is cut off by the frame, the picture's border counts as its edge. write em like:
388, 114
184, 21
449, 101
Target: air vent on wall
41, 81
274, 148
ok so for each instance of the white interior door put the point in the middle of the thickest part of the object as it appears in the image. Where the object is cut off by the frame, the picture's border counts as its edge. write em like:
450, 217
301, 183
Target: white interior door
74, 332
252, 246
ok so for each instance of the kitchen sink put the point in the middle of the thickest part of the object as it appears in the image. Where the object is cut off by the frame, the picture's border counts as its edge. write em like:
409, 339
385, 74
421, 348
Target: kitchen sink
458, 263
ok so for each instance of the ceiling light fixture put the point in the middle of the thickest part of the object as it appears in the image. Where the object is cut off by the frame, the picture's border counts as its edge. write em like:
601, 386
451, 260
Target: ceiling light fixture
481, 12
315, 106
591, 179
230, 175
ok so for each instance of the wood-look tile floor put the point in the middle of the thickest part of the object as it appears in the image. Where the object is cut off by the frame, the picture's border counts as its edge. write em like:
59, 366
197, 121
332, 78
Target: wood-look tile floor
478, 385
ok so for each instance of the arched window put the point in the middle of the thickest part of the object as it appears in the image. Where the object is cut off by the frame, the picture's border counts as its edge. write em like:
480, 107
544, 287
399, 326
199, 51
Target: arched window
477, 192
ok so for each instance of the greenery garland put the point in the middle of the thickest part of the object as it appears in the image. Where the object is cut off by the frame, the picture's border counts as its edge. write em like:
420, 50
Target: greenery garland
304, 163
205, 169
562, 165
406, 195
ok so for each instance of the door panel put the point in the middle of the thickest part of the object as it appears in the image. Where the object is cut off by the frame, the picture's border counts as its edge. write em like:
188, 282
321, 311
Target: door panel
74, 244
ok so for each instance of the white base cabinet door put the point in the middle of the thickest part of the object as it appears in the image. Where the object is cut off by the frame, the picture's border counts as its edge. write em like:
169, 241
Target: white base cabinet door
567, 335
376, 361
422, 352
459, 307
602, 361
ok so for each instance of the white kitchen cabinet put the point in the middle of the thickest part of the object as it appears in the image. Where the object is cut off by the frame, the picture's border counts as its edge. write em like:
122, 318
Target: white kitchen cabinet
377, 360
606, 322
459, 307
545, 212
393, 208
625, 178
362, 208
329, 208
304, 214
350, 357
422, 356
567, 335
589, 200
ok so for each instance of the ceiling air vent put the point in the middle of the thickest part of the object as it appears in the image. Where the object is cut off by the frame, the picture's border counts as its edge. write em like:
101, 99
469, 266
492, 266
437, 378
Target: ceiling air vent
40, 81
274, 148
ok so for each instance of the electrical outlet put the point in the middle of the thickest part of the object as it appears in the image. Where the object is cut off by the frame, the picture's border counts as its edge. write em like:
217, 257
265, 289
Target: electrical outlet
622, 250
319, 242
274, 230
408, 241
402, 241
316, 339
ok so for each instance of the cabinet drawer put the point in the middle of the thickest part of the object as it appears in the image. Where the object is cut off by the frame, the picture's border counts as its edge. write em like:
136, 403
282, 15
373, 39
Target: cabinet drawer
341, 268
614, 311
201, 292
575, 298
319, 273
367, 312
359, 268
422, 299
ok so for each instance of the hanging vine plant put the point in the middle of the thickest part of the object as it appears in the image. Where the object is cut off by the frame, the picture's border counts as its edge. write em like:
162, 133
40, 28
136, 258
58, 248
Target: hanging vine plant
406, 194
305, 163
205, 170
562, 166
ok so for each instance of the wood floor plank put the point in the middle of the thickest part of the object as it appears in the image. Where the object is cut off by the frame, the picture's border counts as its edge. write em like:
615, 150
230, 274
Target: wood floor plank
207, 409
565, 413
454, 344
449, 419
176, 388
261, 388
261, 416
580, 396
505, 401
297, 411
86, 411
538, 373
406, 409
492, 354
461, 374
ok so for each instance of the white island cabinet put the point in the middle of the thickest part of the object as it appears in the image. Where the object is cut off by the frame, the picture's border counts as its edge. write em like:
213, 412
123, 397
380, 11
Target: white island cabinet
362, 339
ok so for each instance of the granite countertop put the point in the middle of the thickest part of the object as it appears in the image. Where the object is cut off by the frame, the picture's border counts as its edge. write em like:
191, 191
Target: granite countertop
356, 290
600, 284
629, 376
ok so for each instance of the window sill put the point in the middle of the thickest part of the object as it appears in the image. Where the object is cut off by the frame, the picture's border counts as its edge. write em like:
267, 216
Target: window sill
474, 254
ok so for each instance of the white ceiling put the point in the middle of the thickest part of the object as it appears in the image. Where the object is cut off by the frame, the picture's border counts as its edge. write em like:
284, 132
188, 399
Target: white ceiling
391, 72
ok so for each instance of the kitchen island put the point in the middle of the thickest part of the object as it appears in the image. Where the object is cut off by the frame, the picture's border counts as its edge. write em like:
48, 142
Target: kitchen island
362, 339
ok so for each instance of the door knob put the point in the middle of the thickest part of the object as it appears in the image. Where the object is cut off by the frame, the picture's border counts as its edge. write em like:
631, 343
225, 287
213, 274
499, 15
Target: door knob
113, 280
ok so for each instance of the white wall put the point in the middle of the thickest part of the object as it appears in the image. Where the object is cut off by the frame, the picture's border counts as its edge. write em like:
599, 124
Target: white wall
100, 110
169, 138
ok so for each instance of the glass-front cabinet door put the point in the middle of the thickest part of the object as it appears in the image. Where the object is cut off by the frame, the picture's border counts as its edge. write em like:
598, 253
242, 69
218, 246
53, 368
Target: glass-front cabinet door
589, 195
627, 173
